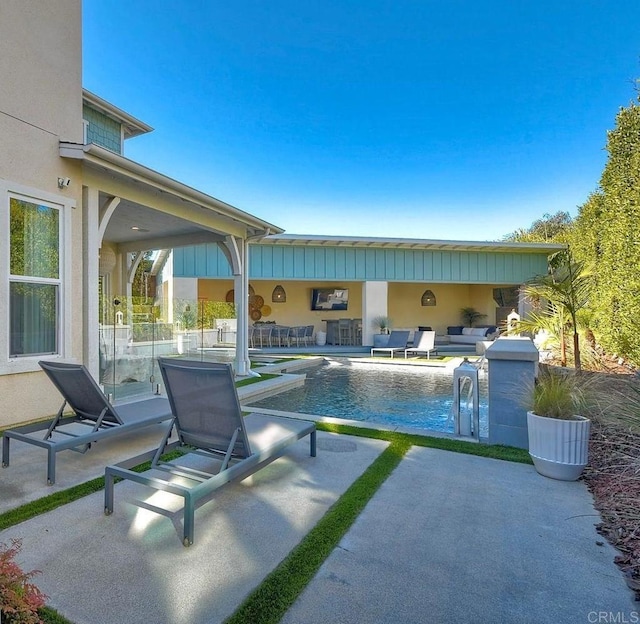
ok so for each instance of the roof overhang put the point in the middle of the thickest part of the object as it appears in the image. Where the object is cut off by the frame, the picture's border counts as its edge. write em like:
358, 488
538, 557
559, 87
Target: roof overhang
156, 211
411, 243
132, 126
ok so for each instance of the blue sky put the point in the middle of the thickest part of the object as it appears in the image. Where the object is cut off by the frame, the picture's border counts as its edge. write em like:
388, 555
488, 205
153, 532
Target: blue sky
446, 119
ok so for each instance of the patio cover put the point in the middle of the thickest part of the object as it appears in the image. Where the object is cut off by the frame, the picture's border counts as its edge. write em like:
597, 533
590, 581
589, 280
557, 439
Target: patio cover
139, 209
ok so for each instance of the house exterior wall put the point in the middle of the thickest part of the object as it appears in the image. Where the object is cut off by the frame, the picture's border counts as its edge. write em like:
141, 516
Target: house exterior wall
40, 105
401, 302
102, 130
405, 309
457, 278
362, 264
297, 309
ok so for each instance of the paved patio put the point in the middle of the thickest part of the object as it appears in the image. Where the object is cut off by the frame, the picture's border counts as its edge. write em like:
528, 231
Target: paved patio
448, 538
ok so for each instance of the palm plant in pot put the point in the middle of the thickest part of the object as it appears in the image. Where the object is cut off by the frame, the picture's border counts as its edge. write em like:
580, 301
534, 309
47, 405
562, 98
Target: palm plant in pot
383, 325
558, 432
470, 316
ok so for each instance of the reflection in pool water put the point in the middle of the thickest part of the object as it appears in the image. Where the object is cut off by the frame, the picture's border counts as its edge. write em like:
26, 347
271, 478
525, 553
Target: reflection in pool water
399, 396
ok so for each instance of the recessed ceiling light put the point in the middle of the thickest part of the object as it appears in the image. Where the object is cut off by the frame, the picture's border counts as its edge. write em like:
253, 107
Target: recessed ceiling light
135, 228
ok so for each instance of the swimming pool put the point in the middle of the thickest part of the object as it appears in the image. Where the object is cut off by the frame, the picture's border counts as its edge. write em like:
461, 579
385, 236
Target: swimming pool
418, 397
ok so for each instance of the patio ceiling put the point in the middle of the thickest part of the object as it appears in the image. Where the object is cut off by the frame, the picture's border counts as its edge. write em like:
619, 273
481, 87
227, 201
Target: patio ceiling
154, 211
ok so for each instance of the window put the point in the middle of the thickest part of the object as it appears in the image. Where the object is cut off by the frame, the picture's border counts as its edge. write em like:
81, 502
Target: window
34, 278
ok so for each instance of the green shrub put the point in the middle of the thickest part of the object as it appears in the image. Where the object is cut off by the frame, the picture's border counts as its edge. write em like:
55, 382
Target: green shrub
560, 394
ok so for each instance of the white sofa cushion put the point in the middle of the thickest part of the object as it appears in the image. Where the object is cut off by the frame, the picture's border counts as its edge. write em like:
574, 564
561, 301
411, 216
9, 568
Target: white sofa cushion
479, 331
467, 331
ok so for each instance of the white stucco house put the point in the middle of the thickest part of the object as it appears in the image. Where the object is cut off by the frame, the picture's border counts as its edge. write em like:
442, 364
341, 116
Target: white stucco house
75, 212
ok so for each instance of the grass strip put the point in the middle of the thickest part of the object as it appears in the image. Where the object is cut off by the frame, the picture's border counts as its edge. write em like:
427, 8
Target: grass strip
271, 600
51, 616
251, 380
49, 503
493, 451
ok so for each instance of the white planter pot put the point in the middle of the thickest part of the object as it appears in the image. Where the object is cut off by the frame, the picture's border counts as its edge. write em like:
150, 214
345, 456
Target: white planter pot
559, 448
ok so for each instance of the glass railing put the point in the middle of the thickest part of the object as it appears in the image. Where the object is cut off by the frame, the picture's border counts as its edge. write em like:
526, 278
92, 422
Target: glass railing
133, 335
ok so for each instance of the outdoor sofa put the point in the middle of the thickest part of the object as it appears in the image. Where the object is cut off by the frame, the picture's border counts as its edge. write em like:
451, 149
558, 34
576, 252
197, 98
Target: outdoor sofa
458, 334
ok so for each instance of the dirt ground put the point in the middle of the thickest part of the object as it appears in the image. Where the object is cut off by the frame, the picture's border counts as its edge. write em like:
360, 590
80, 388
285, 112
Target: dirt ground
613, 477
613, 472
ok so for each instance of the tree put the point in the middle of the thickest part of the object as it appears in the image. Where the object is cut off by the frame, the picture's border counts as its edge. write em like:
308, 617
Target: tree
548, 229
139, 287
607, 237
565, 289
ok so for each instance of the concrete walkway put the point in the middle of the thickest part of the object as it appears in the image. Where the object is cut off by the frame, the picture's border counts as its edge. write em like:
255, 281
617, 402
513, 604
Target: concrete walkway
457, 538
448, 538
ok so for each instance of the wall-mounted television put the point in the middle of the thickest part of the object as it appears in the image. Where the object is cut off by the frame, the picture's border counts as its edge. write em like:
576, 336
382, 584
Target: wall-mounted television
329, 299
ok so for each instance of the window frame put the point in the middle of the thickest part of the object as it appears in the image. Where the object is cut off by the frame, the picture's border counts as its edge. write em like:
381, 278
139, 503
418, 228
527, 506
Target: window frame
29, 363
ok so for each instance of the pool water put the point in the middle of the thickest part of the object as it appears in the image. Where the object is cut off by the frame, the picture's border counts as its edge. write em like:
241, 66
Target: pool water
397, 396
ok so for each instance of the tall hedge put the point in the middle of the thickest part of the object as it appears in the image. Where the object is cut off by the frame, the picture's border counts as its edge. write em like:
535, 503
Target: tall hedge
607, 235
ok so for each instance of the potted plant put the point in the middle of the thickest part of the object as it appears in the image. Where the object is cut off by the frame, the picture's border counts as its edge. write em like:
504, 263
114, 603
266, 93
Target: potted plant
383, 325
558, 433
470, 316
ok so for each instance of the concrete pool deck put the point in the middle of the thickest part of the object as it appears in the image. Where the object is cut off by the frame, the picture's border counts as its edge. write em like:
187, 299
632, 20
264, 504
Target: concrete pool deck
447, 538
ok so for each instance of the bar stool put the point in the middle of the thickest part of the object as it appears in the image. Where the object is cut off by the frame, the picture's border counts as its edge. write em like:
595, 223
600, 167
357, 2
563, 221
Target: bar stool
345, 336
297, 334
280, 335
263, 333
308, 335
356, 331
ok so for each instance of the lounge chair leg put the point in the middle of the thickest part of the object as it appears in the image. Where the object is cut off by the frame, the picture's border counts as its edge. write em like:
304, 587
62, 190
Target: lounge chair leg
5, 451
51, 466
188, 521
312, 443
108, 492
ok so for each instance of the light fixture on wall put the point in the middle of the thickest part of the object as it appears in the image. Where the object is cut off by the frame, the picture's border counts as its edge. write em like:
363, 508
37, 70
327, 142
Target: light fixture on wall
428, 298
279, 295
63, 182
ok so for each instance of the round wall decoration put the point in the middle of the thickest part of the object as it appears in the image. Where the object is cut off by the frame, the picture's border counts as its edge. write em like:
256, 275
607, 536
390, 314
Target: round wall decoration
266, 310
230, 295
258, 301
107, 259
255, 315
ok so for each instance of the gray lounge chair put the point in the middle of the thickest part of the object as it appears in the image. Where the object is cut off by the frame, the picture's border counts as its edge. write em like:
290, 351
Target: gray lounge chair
209, 423
91, 409
423, 342
397, 342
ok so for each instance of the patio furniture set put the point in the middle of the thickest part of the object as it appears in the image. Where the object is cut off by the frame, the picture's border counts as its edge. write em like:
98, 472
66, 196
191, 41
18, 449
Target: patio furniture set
423, 342
271, 335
